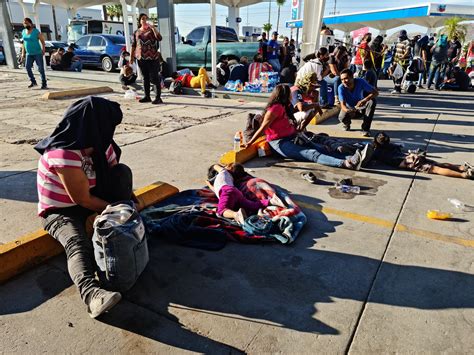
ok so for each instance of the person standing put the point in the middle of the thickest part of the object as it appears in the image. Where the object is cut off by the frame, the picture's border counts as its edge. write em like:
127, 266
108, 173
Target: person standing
378, 49
454, 51
145, 47
262, 46
285, 53
363, 52
420, 52
402, 58
33, 49
272, 52
438, 62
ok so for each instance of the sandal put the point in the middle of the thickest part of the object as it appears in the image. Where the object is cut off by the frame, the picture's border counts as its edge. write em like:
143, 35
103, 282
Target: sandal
310, 177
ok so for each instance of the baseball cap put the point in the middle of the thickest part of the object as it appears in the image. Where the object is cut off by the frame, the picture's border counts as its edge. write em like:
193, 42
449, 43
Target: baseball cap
402, 33
275, 33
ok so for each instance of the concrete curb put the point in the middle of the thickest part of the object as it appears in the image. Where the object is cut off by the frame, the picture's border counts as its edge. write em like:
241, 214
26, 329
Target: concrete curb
32, 249
326, 115
53, 95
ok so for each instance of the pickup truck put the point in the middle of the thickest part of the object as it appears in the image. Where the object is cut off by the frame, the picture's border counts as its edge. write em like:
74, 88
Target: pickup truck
195, 51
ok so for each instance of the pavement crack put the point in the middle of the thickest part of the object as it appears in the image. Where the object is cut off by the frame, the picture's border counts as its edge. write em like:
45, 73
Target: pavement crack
389, 241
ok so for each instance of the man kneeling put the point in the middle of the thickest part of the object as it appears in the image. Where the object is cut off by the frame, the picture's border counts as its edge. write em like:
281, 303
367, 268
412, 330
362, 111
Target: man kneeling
355, 102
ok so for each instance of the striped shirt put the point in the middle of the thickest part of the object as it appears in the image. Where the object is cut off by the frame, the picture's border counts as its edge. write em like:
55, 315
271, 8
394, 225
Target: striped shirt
51, 191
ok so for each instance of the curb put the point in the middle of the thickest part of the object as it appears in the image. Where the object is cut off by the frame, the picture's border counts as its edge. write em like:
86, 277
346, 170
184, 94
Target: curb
76, 92
34, 248
326, 115
242, 155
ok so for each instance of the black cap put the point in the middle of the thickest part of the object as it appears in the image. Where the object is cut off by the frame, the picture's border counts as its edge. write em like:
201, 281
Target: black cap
275, 33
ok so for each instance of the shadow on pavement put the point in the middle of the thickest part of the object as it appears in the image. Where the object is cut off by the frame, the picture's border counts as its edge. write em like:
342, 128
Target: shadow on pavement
18, 186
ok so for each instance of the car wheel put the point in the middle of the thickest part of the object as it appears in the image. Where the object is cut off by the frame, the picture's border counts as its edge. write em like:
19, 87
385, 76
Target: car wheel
107, 64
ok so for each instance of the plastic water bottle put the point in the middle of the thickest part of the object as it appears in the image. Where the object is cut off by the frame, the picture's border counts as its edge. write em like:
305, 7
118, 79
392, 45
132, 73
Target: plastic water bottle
456, 203
213, 93
237, 140
405, 105
348, 189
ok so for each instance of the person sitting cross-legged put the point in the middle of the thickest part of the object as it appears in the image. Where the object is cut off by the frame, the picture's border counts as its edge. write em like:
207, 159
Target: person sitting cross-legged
357, 100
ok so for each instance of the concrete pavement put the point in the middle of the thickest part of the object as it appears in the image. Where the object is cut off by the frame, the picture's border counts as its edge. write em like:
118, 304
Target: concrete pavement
369, 274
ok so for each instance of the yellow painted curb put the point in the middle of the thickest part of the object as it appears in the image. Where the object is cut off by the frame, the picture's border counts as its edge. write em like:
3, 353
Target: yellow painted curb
242, 155
317, 119
76, 92
34, 248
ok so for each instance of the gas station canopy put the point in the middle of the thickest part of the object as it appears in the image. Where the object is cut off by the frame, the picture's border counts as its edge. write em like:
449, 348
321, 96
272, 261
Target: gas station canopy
431, 15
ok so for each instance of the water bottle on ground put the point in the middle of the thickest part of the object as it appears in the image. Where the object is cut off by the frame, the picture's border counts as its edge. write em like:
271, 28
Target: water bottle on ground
460, 205
348, 189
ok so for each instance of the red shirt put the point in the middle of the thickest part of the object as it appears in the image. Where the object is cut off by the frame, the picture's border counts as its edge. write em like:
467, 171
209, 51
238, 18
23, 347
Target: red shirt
281, 126
185, 79
360, 54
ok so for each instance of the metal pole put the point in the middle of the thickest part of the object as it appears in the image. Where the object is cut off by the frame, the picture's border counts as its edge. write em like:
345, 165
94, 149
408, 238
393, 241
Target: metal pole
213, 42
6, 30
126, 28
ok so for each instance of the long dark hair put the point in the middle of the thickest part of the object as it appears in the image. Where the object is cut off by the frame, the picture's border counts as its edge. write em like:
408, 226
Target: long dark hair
27, 19
281, 96
140, 19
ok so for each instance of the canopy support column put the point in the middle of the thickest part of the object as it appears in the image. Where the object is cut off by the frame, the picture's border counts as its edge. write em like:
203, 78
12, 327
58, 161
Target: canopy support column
312, 19
134, 15
7, 35
126, 27
232, 14
166, 26
213, 42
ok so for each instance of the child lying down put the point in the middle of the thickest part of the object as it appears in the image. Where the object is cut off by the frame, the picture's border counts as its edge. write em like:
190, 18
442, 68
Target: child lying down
232, 203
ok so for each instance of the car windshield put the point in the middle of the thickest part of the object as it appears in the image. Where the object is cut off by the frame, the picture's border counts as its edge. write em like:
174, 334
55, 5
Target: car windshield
116, 39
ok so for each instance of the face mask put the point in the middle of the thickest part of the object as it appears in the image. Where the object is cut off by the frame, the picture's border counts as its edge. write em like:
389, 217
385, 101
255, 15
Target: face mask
127, 58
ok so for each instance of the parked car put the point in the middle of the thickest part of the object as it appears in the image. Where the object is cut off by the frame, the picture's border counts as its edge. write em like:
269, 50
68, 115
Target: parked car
53, 46
195, 51
101, 51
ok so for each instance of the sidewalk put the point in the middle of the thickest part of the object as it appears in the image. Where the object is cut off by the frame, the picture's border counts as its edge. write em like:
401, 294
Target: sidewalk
369, 274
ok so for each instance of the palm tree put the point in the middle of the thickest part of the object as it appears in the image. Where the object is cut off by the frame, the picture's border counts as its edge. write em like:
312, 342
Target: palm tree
267, 27
452, 28
114, 11
279, 3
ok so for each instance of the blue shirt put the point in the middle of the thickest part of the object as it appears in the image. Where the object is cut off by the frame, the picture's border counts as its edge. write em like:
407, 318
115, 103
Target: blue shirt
274, 53
31, 42
351, 98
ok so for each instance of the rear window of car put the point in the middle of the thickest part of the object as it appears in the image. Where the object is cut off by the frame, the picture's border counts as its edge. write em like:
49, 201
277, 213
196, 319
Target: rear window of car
116, 39
226, 35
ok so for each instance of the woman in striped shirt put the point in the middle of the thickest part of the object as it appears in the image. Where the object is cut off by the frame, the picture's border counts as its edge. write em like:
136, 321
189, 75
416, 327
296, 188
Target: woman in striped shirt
78, 174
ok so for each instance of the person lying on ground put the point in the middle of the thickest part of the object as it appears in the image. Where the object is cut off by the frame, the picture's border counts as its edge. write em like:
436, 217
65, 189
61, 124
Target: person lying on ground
201, 80
458, 81
279, 126
355, 102
127, 77
232, 203
78, 174
55, 61
71, 62
393, 155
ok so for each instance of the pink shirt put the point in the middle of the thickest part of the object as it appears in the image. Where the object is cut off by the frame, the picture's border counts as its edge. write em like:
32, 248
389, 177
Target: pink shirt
51, 191
281, 126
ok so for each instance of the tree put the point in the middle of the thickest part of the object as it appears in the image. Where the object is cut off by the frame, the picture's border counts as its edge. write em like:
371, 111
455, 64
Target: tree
267, 27
114, 11
279, 3
452, 28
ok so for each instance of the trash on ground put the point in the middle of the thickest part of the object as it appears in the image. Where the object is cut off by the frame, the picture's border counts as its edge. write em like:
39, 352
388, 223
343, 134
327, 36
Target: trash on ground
436, 214
348, 189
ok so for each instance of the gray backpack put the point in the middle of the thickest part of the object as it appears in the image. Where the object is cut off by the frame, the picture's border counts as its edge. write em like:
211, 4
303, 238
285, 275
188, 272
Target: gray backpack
120, 246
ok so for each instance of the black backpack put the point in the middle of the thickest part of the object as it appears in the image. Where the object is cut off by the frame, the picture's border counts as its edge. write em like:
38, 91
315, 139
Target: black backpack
254, 120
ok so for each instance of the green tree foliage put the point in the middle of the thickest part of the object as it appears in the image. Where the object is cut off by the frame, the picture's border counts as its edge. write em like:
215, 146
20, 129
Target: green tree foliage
114, 11
267, 27
452, 28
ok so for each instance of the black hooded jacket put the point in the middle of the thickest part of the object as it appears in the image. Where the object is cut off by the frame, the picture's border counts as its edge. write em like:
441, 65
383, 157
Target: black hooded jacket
88, 123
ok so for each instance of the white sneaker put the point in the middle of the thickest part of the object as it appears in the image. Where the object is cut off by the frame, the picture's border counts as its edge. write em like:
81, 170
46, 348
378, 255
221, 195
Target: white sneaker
101, 301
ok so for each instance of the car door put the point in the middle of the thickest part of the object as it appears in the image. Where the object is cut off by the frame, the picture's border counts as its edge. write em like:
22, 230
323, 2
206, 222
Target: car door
82, 50
191, 53
96, 49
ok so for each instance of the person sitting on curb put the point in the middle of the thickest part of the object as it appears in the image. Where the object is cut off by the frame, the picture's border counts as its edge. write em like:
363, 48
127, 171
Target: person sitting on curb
78, 174
55, 61
70, 62
354, 102
279, 127
393, 155
458, 81
200, 81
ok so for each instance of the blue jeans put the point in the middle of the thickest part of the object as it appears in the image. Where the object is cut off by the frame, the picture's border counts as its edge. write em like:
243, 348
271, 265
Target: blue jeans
309, 152
30, 59
323, 92
275, 63
436, 70
76, 66
335, 82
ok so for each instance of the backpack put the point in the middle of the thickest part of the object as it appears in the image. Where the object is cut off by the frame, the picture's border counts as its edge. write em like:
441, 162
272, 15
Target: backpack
176, 87
120, 246
254, 120
442, 41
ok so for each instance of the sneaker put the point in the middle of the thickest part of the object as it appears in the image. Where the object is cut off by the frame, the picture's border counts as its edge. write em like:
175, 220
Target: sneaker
240, 217
355, 161
421, 87
145, 99
101, 301
32, 85
366, 154
366, 134
395, 92
468, 165
157, 101
124, 87
346, 128
44, 86
470, 174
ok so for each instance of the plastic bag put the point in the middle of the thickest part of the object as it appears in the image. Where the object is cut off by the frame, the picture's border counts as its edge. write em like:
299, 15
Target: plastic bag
397, 72
130, 95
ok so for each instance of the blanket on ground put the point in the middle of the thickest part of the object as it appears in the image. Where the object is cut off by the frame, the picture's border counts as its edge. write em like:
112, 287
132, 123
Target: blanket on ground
189, 218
